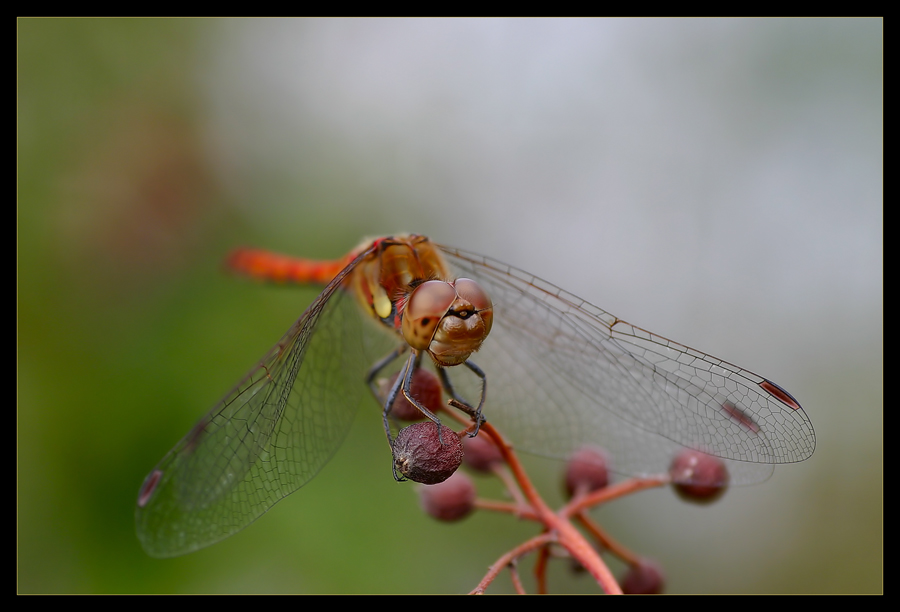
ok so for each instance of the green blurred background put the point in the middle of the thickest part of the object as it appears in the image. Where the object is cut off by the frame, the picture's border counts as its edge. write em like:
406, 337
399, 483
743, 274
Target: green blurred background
716, 181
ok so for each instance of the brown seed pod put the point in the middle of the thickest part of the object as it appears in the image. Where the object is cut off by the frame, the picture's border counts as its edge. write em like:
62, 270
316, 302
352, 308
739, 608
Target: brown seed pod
423, 456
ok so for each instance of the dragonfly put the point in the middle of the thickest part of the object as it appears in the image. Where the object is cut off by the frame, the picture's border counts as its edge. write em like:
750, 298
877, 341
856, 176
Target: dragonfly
551, 371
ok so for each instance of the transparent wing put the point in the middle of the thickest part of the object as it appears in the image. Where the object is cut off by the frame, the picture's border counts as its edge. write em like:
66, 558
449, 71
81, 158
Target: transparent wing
268, 437
563, 373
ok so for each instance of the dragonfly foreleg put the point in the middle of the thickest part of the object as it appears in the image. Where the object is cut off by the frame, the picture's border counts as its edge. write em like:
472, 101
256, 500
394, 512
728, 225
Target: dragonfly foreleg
462, 404
402, 383
412, 364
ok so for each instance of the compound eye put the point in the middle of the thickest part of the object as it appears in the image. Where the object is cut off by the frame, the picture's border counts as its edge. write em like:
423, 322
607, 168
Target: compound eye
472, 292
427, 305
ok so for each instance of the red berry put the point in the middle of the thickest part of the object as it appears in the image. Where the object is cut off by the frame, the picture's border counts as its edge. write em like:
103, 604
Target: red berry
586, 471
424, 386
423, 456
481, 453
698, 477
645, 578
450, 500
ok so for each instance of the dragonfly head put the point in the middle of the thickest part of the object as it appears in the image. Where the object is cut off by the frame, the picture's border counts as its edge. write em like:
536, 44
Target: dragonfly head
449, 320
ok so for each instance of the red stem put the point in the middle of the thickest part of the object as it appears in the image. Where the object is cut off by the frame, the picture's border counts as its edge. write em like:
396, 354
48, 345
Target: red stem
566, 534
620, 489
509, 557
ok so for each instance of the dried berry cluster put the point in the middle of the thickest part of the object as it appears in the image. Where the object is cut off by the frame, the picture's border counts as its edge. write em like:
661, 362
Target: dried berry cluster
431, 454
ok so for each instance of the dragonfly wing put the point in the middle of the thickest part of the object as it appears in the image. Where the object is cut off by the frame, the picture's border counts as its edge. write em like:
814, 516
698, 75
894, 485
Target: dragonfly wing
265, 439
563, 373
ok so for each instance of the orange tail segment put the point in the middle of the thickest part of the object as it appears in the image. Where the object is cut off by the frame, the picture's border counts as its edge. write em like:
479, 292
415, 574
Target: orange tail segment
264, 265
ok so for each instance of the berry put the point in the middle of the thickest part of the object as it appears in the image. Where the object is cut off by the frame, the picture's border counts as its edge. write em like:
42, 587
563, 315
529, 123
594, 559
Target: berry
450, 500
644, 578
423, 456
424, 386
481, 454
698, 477
586, 471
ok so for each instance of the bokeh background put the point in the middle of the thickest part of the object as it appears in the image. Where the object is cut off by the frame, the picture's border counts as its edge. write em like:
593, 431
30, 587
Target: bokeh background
719, 182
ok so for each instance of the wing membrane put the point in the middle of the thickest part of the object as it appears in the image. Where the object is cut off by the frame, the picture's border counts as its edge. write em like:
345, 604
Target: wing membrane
265, 439
565, 373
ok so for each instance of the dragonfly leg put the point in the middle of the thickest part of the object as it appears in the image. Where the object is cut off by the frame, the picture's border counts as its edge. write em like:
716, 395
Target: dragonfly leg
388, 403
391, 396
462, 404
412, 364
379, 366
403, 383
